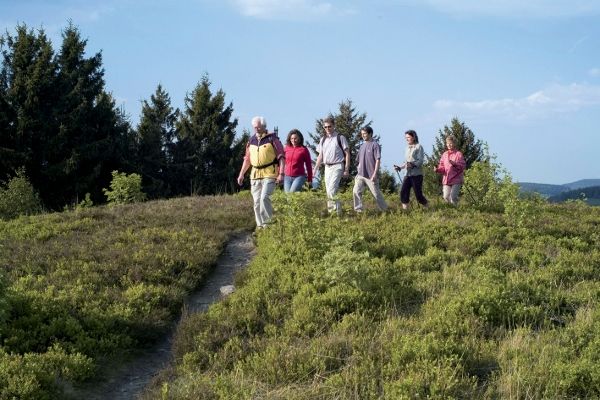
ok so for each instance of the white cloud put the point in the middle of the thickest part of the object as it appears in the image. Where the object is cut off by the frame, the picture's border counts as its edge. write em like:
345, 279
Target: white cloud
512, 8
286, 9
595, 72
555, 99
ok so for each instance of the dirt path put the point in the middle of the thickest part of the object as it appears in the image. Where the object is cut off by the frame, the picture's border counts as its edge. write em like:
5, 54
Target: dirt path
129, 380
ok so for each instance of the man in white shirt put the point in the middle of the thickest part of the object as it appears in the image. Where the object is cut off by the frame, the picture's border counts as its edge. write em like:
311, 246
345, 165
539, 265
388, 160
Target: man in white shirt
334, 152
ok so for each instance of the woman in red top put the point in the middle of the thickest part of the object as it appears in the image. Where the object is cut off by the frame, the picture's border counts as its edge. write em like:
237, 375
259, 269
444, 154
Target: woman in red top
298, 166
452, 167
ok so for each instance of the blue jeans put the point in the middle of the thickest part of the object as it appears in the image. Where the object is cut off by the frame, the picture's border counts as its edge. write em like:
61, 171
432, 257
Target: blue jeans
293, 183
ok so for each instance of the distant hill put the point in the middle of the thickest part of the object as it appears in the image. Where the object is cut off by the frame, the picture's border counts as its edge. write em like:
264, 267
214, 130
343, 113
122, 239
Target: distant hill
544, 189
583, 183
590, 194
549, 190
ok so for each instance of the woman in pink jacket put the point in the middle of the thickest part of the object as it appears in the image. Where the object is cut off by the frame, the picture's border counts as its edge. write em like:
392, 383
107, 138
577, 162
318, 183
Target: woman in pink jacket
298, 166
452, 167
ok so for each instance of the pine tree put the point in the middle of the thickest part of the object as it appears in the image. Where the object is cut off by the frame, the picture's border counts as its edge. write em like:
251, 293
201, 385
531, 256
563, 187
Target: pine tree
348, 122
93, 134
28, 94
206, 136
155, 142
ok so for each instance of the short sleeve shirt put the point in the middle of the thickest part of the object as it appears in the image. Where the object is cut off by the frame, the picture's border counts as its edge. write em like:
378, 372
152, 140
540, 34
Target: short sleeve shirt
368, 154
328, 146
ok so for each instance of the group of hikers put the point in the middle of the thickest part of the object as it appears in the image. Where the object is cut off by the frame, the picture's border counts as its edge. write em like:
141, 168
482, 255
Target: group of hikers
273, 164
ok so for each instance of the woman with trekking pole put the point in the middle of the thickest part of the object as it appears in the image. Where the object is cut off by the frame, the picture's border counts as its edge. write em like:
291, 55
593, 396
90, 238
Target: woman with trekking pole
415, 156
452, 167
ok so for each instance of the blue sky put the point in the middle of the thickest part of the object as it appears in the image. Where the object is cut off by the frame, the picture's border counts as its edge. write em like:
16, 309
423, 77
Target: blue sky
523, 75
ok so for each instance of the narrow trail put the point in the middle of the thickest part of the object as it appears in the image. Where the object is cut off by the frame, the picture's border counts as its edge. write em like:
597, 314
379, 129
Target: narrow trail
129, 380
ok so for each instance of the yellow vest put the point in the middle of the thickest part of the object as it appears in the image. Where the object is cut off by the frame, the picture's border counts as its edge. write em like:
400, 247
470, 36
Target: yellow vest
263, 157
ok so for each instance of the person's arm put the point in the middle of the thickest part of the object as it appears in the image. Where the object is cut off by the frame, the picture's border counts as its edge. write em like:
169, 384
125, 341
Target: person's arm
245, 166
308, 165
418, 157
346, 148
440, 168
280, 153
376, 170
317, 164
460, 162
347, 158
281, 170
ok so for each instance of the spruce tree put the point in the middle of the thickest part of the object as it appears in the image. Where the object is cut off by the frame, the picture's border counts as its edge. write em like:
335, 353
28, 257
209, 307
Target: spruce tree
155, 142
27, 98
206, 136
348, 122
93, 137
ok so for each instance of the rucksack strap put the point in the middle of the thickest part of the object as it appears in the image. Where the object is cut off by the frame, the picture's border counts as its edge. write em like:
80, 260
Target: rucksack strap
274, 162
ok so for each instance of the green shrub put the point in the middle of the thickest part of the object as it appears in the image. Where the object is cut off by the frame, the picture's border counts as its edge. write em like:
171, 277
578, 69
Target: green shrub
18, 197
125, 189
35, 376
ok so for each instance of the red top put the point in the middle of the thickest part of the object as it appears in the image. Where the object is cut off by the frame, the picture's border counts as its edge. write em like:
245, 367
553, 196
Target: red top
298, 162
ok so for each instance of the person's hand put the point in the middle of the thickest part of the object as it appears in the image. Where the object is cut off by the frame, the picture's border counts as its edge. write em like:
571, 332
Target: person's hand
279, 179
240, 180
346, 173
374, 178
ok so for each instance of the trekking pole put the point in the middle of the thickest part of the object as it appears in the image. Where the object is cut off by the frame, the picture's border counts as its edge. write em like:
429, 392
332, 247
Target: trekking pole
475, 201
397, 169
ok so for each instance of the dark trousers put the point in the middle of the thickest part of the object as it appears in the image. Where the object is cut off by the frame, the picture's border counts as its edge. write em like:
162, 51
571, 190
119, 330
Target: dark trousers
415, 182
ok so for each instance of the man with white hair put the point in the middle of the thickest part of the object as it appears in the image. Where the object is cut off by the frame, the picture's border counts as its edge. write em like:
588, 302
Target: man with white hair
264, 152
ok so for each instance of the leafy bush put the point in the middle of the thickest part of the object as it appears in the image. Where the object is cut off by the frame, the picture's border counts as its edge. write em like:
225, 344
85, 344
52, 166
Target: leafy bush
35, 376
18, 197
125, 189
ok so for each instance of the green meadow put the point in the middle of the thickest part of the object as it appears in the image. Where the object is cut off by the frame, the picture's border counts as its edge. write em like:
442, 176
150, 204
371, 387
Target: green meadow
469, 302
83, 289
441, 303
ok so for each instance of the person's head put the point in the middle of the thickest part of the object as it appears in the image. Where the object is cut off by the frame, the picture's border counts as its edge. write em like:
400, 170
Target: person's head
328, 124
450, 142
366, 133
295, 138
259, 125
411, 137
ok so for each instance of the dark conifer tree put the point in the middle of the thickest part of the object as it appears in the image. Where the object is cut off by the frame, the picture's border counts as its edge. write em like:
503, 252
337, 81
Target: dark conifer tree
27, 97
92, 134
206, 137
155, 142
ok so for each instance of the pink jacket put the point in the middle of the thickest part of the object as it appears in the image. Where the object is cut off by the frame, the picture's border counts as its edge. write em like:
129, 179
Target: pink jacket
297, 162
453, 174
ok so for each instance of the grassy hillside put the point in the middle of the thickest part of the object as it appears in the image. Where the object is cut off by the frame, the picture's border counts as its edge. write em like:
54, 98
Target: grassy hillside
82, 288
439, 303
